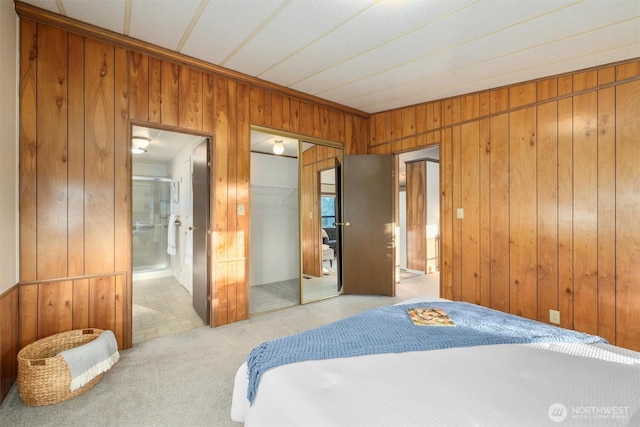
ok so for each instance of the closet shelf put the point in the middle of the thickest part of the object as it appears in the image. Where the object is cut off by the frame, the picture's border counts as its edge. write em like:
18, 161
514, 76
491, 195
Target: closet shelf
275, 189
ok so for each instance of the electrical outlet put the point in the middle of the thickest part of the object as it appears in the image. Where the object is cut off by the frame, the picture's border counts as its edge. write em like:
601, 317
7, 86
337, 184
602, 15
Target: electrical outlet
554, 316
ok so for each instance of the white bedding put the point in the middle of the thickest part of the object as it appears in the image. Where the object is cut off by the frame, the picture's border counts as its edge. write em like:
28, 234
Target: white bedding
484, 386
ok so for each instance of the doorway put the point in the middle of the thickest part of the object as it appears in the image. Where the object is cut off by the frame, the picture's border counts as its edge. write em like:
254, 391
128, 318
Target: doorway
419, 221
162, 212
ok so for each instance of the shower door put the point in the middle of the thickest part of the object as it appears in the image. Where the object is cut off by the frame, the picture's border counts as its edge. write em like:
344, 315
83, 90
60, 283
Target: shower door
151, 206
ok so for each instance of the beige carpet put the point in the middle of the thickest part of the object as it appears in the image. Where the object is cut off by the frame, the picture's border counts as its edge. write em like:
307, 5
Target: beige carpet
186, 379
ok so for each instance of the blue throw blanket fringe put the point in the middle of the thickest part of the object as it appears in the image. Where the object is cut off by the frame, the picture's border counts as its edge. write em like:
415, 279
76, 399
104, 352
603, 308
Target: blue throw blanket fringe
390, 330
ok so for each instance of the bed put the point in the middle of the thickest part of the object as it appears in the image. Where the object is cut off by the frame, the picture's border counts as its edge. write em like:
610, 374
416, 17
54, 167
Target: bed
528, 378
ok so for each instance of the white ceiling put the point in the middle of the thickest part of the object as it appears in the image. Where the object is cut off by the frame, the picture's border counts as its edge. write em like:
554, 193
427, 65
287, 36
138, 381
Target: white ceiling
375, 55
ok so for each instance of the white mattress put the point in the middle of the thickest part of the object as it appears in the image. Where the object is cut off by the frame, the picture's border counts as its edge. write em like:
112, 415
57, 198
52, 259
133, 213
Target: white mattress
484, 386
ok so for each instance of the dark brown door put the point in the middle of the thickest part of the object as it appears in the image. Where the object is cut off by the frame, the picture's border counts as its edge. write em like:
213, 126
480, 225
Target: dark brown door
200, 229
368, 250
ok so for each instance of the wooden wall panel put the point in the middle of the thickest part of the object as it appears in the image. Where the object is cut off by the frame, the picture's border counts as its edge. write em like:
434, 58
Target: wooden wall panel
484, 194
446, 215
28, 149
139, 86
75, 255
155, 90
169, 98
99, 158
51, 169
565, 212
547, 214
221, 237
190, 103
627, 224
456, 190
585, 210
522, 213
606, 268
470, 203
416, 180
499, 201
234, 239
243, 156
54, 308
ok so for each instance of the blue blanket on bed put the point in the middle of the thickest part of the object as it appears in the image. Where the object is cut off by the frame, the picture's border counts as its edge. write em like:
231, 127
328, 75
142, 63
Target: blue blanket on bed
390, 330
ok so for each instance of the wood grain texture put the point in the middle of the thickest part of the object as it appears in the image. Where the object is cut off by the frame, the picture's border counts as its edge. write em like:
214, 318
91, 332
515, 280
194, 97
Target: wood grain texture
585, 210
99, 158
75, 141
500, 201
51, 165
470, 224
138, 86
190, 103
484, 198
522, 213
547, 214
627, 224
169, 93
565, 212
606, 214
416, 180
28, 150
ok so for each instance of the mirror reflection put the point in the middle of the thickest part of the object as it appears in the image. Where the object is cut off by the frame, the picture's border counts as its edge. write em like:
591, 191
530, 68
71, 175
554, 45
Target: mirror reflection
320, 211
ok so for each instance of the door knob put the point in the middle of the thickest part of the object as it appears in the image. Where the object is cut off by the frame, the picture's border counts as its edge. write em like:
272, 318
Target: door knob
346, 224
193, 228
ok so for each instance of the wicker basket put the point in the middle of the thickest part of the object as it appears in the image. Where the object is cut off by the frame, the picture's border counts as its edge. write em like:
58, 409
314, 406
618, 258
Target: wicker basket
44, 377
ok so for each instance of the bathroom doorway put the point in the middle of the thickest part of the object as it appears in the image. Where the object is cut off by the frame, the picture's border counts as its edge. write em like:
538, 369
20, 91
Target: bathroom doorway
162, 227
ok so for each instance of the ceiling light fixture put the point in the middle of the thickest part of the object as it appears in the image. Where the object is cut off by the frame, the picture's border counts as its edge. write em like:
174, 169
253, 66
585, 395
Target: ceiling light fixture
278, 147
139, 144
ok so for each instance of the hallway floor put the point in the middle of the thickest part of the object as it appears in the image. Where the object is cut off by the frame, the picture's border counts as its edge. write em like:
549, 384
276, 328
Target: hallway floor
161, 306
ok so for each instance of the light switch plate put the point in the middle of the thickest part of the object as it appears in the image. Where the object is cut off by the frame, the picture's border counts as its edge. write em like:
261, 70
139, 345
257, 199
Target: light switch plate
240, 209
459, 213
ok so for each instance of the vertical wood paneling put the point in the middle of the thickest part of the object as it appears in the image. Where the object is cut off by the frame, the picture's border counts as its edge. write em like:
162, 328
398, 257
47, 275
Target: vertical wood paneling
28, 314
208, 115
243, 156
585, 212
155, 90
51, 168
627, 224
169, 93
446, 211
522, 213
416, 173
606, 214
499, 199
28, 152
138, 86
547, 163
294, 115
122, 190
81, 304
75, 255
276, 110
470, 225
484, 198
102, 302
55, 311
523, 94
336, 126
235, 238
565, 212
99, 158
306, 118
190, 104
221, 237
456, 181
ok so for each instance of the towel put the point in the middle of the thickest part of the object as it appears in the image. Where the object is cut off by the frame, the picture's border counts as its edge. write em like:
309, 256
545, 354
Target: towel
171, 236
188, 250
89, 360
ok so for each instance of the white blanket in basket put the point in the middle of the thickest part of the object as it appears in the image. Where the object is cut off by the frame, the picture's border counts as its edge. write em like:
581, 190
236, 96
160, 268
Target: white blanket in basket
89, 360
